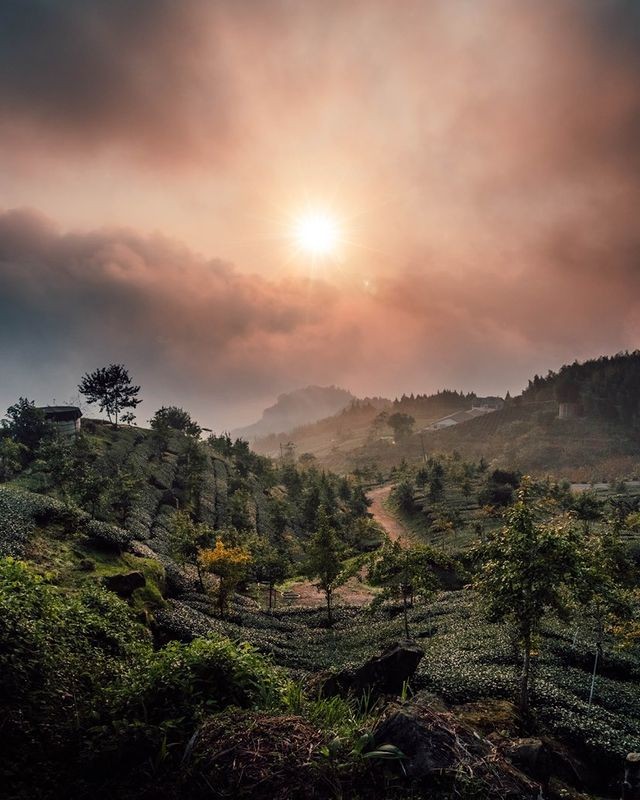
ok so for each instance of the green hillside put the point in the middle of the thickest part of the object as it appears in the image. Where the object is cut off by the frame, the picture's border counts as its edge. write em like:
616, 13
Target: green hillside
142, 654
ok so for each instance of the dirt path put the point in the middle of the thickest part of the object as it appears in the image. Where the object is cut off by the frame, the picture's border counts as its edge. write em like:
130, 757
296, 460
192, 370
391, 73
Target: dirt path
353, 593
394, 528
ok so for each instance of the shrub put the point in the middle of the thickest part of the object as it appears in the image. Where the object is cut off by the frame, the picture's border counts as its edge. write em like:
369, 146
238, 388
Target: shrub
178, 685
58, 654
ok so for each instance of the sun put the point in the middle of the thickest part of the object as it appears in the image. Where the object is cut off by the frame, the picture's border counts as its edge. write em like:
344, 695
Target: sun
317, 234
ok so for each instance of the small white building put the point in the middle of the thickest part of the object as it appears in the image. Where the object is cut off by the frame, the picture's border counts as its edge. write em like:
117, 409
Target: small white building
65, 418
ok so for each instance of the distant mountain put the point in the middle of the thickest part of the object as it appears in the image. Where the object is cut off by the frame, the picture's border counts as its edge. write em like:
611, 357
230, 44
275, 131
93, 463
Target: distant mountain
296, 408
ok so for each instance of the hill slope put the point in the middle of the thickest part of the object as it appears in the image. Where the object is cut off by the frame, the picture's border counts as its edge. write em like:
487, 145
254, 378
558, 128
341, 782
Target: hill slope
124, 679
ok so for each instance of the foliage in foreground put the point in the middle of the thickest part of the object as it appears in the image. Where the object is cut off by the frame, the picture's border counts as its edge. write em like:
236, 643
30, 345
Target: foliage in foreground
80, 682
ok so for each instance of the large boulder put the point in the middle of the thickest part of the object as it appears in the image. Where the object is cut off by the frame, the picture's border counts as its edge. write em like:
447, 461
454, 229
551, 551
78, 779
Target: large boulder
425, 750
436, 747
383, 674
124, 584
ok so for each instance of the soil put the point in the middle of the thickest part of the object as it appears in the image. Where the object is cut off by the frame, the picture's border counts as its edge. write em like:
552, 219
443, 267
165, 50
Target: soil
354, 592
394, 528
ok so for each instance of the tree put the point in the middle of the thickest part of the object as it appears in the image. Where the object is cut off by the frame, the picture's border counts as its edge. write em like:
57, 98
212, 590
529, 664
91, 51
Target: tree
307, 460
124, 491
602, 604
436, 489
111, 388
71, 465
92, 486
401, 425
27, 426
240, 515
324, 562
187, 539
160, 438
271, 567
403, 495
10, 458
379, 424
529, 567
193, 463
587, 506
403, 573
176, 419
230, 564
56, 458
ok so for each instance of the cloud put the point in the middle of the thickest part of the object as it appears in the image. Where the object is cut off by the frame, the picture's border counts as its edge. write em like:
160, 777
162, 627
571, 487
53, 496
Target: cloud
191, 328
490, 153
199, 333
89, 74
186, 81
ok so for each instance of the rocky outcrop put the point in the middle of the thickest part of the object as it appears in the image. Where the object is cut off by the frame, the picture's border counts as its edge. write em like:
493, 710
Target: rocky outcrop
532, 756
383, 674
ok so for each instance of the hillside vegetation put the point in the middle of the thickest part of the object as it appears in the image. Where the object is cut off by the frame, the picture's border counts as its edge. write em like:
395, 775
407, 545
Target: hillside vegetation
335, 439
150, 644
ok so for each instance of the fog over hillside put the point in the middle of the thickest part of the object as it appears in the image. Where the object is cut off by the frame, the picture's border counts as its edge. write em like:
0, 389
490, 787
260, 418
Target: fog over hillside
298, 408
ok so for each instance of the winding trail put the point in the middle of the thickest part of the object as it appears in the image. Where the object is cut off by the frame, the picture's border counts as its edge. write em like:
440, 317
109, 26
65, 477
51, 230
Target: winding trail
394, 528
354, 592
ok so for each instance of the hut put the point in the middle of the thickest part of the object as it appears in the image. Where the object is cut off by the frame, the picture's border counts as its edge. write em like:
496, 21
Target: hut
65, 418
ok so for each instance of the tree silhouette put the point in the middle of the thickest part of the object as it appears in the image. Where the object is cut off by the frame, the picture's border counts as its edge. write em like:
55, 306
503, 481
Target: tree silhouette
111, 388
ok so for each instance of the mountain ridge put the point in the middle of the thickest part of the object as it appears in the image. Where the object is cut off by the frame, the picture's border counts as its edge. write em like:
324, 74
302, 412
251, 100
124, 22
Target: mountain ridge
298, 407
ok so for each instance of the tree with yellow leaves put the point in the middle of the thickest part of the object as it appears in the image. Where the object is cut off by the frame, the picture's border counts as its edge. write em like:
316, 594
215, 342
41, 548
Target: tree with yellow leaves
230, 564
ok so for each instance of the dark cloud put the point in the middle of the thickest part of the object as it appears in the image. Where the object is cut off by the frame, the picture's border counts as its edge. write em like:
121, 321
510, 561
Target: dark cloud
187, 325
199, 333
134, 74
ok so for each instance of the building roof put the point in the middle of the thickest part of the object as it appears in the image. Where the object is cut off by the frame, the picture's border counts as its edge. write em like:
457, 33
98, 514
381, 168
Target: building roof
61, 412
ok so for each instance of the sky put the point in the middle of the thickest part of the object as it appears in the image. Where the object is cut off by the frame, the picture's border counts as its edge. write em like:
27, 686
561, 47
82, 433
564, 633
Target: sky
480, 161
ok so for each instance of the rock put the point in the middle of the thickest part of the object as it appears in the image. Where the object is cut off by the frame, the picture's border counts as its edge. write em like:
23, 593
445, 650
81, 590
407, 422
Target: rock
438, 747
124, 584
424, 752
142, 550
631, 783
383, 674
532, 756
